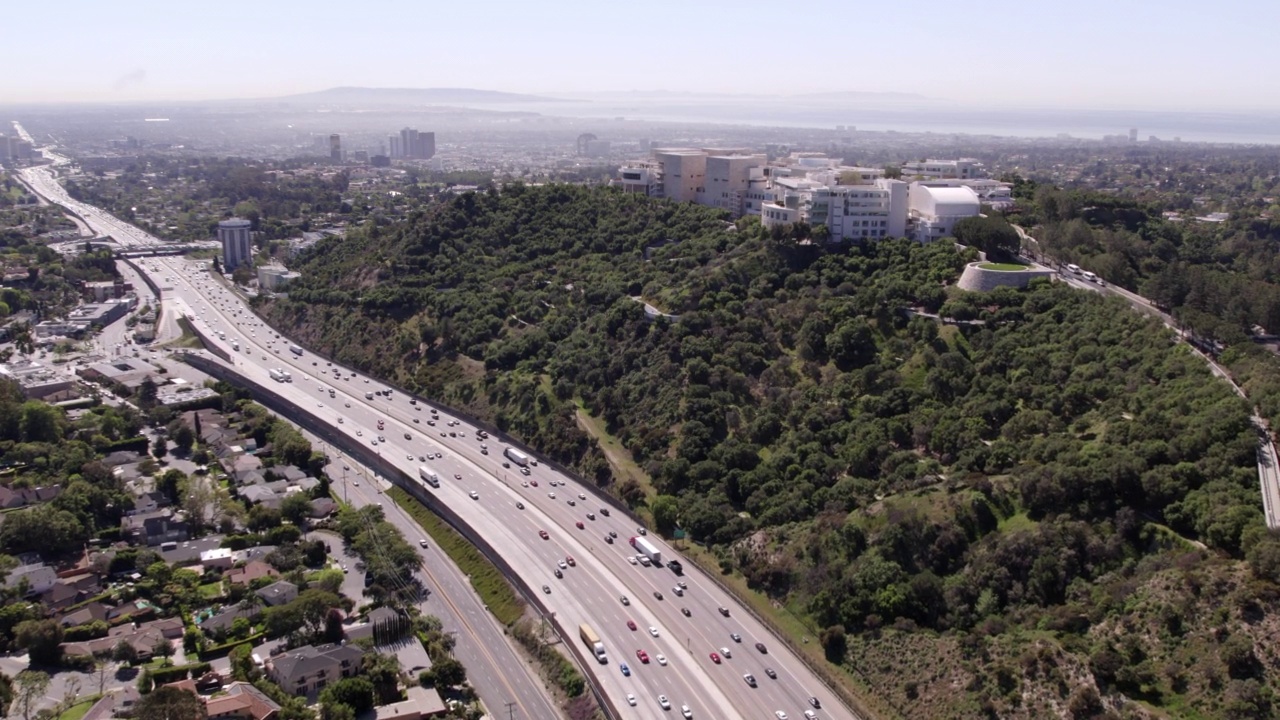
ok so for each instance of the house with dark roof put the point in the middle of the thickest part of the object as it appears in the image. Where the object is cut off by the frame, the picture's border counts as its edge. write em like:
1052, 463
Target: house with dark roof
120, 457
87, 613
309, 669
278, 593
261, 495
228, 615
149, 502
287, 472
156, 527
115, 704
69, 591
11, 498
142, 638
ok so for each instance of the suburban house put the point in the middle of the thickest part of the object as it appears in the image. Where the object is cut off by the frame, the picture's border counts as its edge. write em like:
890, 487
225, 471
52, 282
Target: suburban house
278, 593
251, 571
323, 507
223, 620
114, 704
149, 502
237, 701
157, 527
38, 576
141, 637
88, 613
10, 498
419, 702
68, 591
309, 669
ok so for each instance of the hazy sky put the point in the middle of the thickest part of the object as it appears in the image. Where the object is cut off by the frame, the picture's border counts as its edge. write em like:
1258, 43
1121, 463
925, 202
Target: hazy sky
1089, 53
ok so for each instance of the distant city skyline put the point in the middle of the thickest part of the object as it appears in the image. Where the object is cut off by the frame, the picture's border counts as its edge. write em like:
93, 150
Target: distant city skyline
1140, 55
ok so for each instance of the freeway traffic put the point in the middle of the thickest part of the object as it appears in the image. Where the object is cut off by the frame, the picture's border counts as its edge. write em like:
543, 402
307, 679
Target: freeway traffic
683, 631
510, 510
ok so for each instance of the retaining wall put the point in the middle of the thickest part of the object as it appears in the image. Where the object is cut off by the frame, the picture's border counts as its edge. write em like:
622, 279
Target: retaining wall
978, 279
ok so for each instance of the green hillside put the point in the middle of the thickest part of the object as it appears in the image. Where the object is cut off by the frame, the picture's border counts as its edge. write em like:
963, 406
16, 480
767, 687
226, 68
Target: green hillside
1043, 511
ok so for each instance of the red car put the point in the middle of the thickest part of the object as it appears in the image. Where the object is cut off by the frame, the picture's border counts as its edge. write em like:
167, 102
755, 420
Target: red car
631, 625
533, 483
715, 658
569, 559
543, 534
643, 656
580, 525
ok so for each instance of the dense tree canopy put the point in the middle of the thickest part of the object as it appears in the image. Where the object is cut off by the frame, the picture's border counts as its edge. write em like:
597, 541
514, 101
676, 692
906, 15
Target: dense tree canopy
849, 456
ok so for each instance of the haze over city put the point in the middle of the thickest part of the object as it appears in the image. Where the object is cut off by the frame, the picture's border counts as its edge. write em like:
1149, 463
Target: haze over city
608, 361
1092, 54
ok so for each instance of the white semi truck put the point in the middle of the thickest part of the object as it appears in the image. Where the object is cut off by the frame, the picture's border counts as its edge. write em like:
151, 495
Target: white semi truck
516, 457
649, 549
429, 476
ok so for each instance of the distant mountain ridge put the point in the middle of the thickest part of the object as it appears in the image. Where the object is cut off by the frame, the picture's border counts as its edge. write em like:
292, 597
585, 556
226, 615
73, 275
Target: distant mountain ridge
413, 96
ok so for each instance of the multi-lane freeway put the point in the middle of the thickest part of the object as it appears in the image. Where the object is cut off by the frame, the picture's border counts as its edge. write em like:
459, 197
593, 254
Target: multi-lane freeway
660, 629
602, 587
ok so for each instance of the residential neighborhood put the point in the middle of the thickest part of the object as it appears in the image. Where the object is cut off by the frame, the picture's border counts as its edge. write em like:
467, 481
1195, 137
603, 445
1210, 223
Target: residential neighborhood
204, 556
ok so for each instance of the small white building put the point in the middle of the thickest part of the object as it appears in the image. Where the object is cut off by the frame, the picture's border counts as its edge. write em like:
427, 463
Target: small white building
773, 214
638, 178
274, 278
963, 168
217, 558
935, 210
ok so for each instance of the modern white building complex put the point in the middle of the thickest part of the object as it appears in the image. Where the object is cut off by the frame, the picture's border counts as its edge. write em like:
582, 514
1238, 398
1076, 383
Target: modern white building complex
854, 203
237, 247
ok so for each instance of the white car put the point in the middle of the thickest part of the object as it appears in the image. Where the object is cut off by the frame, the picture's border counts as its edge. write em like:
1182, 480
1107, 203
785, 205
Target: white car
664, 702
631, 559
474, 495
725, 652
631, 700
653, 631
662, 659
685, 711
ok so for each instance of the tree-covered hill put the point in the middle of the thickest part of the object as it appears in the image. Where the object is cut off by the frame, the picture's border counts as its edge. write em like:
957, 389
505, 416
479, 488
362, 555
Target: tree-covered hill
941, 499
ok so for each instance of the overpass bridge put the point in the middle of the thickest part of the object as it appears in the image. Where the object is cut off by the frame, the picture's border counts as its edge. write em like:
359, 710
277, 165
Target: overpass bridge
155, 250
